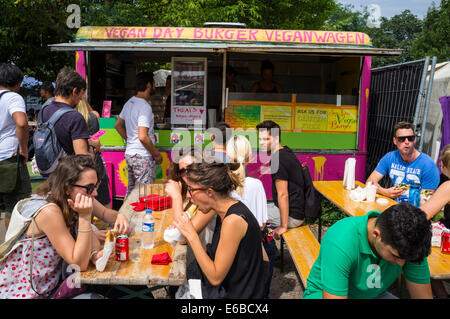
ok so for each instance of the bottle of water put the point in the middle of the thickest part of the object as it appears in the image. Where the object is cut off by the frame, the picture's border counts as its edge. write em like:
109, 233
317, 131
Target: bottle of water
414, 194
148, 230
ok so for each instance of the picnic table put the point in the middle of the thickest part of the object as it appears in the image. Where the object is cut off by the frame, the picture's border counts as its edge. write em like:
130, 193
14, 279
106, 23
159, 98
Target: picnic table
334, 191
139, 270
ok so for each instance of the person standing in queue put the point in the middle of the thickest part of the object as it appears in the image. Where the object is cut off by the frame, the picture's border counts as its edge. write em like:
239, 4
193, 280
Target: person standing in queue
14, 133
135, 125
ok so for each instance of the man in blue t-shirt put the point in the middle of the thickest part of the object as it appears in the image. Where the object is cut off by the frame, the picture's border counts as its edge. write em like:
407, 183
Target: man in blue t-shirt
405, 166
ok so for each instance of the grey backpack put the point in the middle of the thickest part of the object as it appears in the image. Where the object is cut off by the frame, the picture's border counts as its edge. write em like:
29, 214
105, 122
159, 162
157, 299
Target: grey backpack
46, 145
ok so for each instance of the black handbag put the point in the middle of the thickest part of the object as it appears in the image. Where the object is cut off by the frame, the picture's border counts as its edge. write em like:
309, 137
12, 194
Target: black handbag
9, 170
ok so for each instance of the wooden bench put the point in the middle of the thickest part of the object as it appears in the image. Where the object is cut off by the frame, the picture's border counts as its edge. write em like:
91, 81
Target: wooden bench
304, 249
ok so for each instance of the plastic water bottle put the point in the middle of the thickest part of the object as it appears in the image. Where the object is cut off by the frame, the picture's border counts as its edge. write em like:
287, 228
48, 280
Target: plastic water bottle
148, 230
414, 194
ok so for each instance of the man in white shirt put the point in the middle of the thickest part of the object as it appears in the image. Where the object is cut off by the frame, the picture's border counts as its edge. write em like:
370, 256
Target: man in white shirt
13, 136
135, 125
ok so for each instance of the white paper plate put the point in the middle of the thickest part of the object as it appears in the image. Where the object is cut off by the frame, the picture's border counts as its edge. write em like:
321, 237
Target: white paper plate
382, 201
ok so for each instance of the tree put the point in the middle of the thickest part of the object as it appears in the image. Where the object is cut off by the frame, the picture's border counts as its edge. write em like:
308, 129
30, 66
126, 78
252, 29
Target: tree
27, 27
434, 39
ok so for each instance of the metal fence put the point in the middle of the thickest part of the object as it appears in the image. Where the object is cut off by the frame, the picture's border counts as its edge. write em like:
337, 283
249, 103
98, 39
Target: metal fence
395, 93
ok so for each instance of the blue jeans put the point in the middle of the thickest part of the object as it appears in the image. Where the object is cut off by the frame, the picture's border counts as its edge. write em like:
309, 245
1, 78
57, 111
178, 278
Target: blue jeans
272, 253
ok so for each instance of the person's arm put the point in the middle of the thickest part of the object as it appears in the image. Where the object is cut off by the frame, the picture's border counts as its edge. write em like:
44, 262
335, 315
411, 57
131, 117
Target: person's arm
438, 200
110, 216
233, 230
201, 220
254, 87
375, 177
22, 133
419, 291
283, 205
278, 87
148, 144
326, 295
50, 221
80, 146
120, 128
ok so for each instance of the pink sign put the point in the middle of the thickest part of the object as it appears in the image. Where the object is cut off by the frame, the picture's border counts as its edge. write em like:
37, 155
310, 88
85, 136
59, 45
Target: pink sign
106, 111
188, 115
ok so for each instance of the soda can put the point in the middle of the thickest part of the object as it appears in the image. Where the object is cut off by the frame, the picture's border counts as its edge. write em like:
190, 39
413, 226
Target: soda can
445, 241
122, 248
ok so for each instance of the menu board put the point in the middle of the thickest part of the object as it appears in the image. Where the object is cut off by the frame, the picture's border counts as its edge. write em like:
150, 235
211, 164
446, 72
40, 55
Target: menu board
243, 116
304, 117
188, 91
326, 119
281, 115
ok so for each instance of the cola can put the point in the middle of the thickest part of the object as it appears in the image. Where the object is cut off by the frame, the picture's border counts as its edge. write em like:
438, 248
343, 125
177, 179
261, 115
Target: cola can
122, 248
445, 241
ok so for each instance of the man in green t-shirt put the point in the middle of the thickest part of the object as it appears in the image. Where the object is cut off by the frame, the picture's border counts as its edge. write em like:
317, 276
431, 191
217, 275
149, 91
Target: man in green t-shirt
361, 257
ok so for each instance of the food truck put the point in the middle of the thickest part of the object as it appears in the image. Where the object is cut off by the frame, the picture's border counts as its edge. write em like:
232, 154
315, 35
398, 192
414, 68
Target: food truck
322, 109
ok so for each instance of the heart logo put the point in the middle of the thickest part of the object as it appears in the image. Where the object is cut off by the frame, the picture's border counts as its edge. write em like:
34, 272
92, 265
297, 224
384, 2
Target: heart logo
201, 111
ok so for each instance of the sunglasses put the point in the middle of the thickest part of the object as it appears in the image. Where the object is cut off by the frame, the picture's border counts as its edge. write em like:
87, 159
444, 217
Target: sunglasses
410, 138
89, 188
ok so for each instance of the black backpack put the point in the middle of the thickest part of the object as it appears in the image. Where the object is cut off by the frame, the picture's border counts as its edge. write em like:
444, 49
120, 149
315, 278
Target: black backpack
313, 206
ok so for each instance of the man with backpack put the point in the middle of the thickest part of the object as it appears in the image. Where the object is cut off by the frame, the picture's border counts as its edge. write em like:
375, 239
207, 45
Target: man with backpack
63, 131
292, 190
14, 177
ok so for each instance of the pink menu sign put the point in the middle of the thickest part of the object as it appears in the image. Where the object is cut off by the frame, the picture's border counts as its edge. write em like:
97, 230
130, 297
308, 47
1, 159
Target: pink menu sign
106, 112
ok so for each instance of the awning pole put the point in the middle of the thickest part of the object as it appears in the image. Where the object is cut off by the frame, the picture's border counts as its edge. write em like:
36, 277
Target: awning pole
224, 84
427, 102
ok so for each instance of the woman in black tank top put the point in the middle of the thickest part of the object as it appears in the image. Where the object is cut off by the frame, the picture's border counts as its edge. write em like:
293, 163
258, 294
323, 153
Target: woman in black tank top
233, 265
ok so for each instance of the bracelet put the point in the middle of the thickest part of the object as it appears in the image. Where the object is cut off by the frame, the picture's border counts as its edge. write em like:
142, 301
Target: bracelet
85, 231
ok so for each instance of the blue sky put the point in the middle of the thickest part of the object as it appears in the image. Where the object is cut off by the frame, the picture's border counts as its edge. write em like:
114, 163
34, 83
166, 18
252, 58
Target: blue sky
390, 8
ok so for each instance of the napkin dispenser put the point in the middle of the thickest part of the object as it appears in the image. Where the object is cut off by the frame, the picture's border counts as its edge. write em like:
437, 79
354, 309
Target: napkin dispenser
349, 173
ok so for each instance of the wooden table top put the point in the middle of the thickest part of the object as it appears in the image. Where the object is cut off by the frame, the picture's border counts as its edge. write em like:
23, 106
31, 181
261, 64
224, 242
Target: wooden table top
138, 270
335, 192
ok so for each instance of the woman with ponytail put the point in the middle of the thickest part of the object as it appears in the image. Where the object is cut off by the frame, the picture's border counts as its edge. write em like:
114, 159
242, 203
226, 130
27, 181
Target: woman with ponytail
234, 263
252, 191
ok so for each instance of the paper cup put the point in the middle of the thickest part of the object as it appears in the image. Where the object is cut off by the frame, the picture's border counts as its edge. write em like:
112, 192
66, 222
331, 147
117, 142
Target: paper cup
371, 193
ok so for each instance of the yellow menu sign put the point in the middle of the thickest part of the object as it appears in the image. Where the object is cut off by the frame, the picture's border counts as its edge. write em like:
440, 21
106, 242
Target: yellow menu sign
281, 115
322, 119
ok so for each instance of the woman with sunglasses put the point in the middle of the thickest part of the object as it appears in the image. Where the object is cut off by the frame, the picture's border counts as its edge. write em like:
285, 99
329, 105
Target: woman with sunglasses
60, 230
234, 263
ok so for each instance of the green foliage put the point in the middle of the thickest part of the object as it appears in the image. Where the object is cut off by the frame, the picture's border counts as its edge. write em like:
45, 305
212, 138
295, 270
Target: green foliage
27, 27
330, 214
434, 39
